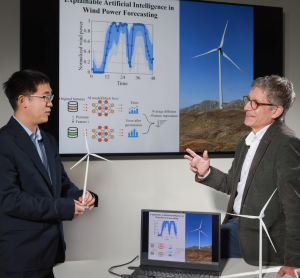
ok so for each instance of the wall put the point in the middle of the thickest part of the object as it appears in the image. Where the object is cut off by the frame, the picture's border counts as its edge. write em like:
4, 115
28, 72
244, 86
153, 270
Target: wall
127, 186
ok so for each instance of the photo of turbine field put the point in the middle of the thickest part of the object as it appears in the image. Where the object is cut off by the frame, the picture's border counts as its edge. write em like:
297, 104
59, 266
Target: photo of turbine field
216, 71
198, 238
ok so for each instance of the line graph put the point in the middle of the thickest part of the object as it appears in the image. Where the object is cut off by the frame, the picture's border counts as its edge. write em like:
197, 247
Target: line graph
165, 228
122, 47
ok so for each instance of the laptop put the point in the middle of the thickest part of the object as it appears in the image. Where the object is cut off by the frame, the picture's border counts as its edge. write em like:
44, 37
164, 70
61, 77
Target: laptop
179, 244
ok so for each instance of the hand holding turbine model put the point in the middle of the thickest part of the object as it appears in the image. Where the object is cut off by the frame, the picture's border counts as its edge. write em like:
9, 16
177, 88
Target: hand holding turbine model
87, 165
261, 224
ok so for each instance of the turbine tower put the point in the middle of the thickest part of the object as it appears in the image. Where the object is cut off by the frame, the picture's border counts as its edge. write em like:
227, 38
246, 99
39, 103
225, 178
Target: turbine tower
200, 231
261, 224
221, 52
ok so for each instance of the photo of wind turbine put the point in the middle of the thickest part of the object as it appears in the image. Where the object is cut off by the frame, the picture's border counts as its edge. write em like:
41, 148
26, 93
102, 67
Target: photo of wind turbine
87, 164
261, 225
200, 231
221, 52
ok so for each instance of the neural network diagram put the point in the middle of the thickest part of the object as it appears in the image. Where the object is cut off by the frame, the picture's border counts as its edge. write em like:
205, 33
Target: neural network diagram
103, 108
122, 48
103, 133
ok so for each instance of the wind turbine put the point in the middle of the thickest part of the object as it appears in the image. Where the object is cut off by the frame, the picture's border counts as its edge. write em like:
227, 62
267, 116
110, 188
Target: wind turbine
200, 231
87, 164
219, 49
261, 224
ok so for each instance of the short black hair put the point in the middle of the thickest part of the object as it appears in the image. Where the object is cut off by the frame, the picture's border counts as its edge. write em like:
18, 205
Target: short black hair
23, 82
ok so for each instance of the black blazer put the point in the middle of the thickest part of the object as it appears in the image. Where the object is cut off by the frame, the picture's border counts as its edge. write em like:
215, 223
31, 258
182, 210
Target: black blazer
31, 208
276, 164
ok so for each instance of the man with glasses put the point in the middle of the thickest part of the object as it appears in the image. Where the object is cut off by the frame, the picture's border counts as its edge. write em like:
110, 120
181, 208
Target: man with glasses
36, 194
265, 159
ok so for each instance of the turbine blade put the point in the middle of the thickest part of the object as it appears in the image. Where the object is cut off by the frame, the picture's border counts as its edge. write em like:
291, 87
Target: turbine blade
211, 51
100, 157
85, 178
230, 60
222, 41
86, 143
194, 230
265, 228
79, 161
203, 233
263, 209
201, 224
247, 216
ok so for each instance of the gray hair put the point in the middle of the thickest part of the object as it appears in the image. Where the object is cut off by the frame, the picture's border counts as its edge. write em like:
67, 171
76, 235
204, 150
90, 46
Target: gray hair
280, 91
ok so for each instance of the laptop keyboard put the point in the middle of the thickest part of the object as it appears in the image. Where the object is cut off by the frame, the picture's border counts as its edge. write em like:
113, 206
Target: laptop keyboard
175, 273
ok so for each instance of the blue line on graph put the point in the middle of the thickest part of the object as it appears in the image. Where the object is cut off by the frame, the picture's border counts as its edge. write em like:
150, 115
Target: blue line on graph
113, 35
133, 134
168, 224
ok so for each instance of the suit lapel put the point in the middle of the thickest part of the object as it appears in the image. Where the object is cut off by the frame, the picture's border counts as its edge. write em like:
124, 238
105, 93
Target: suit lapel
51, 159
24, 142
260, 152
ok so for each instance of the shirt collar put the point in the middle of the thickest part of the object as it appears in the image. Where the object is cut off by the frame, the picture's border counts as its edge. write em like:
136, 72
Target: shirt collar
256, 137
37, 135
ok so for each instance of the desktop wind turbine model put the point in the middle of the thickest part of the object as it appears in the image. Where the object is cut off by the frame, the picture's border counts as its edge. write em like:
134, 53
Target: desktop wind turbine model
220, 69
87, 164
261, 224
200, 231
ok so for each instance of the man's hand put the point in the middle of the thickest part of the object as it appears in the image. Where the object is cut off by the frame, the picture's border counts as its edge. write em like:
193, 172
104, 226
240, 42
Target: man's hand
199, 165
78, 209
88, 200
293, 271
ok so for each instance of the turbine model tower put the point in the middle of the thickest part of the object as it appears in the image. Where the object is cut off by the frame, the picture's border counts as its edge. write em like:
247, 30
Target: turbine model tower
200, 231
261, 224
219, 49
87, 164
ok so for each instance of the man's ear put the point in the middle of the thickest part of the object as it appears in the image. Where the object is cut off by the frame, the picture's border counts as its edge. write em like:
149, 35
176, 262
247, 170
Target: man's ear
277, 111
22, 101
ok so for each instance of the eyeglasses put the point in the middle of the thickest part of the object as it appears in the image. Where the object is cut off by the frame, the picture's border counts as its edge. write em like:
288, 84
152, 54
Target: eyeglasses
46, 98
254, 104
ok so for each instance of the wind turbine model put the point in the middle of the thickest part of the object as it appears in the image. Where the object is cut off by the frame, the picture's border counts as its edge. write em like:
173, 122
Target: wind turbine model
261, 224
87, 164
219, 49
200, 231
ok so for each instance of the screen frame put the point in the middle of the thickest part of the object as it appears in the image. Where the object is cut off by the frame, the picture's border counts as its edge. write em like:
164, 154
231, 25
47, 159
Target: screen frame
39, 50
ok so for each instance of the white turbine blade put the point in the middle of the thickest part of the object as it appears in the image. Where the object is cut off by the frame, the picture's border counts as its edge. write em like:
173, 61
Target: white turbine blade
203, 233
230, 60
211, 51
263, 223
222, 41
263, 209
201, 224
86, 143
100, 157
79, 161
194, 230
85, 179
247, 216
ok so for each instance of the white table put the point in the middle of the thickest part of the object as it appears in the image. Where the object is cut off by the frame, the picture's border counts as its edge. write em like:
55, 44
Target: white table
231, 268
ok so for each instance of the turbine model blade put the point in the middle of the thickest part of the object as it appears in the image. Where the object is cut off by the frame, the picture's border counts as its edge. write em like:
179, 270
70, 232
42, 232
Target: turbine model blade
211, 51
263, 209
194, 230
265, 228
79, 161
222, 41
99, 157
230, 60
200, 224
85, 179
86, 143
203, 233
247, 216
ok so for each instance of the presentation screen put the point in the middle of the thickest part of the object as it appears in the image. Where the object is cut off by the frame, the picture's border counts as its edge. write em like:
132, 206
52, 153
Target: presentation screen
141, 77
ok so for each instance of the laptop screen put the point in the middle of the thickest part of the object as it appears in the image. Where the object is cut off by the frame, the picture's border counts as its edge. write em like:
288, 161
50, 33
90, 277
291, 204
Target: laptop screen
190, 239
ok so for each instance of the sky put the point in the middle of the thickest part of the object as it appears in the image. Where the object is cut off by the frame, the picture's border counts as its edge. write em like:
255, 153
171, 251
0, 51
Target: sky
192, 223
201, 29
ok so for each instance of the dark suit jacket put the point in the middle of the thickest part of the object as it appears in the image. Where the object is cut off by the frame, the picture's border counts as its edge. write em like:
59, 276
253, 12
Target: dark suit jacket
31, 208
276, 164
